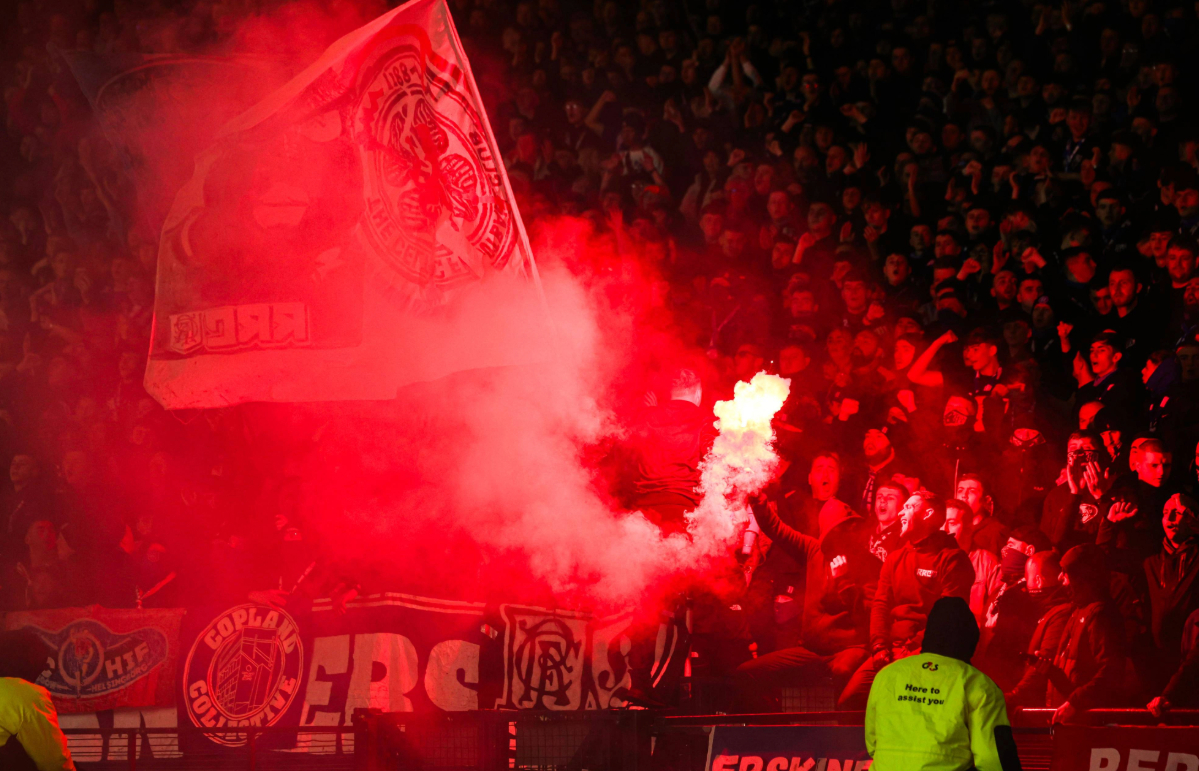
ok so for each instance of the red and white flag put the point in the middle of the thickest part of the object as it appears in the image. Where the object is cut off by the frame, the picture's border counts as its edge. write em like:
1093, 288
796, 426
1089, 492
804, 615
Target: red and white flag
353, 232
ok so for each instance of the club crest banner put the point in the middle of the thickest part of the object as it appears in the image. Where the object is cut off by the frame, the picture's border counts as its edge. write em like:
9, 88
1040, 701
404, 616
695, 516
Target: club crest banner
255, 665
252, 664
101, 658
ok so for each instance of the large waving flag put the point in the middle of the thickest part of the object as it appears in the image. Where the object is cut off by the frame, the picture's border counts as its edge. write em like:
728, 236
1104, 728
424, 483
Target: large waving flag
353, 232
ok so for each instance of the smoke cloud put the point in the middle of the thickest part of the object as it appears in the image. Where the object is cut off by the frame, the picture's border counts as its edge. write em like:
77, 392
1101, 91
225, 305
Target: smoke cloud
494, 483
497, 483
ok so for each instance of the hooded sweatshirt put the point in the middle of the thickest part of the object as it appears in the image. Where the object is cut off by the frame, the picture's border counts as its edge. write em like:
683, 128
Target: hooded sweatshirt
912, 579
935, 711
1160, 387
836, 609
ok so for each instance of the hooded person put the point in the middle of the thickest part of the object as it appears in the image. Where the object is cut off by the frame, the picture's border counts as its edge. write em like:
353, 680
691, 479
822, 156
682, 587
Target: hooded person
954, 447
1084, 667
841, 578
1028, 469
1050, 601
1011, 618
933, 710
298, 570
669, 442
1161, 374
883, 460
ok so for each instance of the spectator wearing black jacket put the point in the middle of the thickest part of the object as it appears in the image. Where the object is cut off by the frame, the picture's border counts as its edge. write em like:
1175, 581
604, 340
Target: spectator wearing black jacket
1088, 668
1183, 688
1131, 528
671, 441
1051, 600
1117, 387
882, 462
1011, 617
1027, 470
988, 532
1071, 513
1172, 577
886, 534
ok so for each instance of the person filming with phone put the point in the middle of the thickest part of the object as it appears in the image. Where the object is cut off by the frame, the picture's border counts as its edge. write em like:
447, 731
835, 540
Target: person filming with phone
1072, 510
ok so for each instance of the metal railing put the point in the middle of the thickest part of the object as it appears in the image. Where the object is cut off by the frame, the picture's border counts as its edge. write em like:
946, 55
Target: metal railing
244, 748
494, 740
1032, 728
1021, 718
506, 740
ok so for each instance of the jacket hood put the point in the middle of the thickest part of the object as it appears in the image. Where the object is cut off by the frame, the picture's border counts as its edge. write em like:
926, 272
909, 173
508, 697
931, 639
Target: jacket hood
1168, 373
832, 514
951, 630
1058, 595
938, 539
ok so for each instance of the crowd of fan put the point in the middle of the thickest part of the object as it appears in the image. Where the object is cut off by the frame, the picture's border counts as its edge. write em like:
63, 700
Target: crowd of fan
965, 231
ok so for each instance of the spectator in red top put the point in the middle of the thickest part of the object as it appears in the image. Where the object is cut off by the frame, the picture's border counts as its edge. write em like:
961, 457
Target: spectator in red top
928, 567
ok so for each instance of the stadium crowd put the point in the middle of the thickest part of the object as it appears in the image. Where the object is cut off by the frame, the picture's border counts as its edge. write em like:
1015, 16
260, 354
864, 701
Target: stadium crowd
966, 232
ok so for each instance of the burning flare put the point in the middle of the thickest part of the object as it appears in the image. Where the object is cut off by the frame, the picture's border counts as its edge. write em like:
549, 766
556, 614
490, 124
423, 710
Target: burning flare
741, 462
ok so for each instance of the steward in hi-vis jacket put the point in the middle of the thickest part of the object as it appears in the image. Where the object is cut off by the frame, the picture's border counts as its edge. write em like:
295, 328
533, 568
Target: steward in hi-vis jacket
935, 712
30, 738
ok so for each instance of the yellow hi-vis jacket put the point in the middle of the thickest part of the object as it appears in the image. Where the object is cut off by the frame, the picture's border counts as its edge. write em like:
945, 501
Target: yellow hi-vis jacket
935, 713
27, 716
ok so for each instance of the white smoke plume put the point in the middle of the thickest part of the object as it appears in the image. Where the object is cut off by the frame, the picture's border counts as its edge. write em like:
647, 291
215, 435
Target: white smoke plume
741, 463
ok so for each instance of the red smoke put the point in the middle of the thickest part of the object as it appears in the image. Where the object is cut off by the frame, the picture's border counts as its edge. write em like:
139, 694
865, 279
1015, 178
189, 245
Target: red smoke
490, 483
495, 483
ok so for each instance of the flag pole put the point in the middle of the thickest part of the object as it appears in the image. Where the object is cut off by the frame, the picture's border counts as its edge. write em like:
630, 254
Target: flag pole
503, 171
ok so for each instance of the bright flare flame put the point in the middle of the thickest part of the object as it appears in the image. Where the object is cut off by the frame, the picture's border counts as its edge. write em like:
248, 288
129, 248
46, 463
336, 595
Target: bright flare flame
741, 462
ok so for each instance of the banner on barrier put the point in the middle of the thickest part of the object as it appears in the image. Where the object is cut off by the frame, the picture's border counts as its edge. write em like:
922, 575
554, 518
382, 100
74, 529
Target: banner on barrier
251, 664
1117, 748
102, 658
787, 748
256, 665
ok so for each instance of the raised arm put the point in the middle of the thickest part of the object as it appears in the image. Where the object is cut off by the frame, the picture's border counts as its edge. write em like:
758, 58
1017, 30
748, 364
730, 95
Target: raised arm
919, 372
795, 543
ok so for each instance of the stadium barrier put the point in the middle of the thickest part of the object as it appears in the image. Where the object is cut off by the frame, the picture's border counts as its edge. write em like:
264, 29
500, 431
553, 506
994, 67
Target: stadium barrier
499, 740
